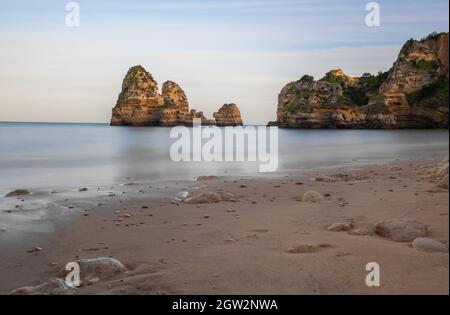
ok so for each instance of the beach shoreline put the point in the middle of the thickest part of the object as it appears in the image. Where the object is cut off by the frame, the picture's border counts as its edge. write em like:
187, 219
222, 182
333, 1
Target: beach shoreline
246, 244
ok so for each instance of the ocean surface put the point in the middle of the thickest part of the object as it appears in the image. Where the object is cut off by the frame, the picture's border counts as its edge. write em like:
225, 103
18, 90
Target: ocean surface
77, 155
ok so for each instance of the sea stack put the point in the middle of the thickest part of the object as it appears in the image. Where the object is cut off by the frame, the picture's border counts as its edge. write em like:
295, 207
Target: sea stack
139, 101
412, 94
141, 104
228, 115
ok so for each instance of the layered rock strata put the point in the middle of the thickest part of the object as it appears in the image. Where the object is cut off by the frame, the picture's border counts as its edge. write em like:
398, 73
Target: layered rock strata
140, 103
228, 115
412, 94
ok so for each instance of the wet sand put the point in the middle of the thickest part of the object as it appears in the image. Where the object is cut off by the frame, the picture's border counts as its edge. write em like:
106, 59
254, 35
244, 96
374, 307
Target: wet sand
241, 247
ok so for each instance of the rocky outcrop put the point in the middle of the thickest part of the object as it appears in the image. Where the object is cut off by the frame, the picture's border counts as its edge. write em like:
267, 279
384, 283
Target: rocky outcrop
141, 104
439, 174
228, 115
412, 94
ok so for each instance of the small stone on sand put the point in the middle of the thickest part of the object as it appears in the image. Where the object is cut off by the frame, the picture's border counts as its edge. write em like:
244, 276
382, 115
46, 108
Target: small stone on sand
339, 227
425, 244
312, 196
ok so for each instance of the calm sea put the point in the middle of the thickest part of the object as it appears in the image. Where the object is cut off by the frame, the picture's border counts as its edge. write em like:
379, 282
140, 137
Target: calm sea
73, 155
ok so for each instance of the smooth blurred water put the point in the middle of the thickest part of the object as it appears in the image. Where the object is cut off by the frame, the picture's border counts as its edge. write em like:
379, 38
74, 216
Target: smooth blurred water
68, 155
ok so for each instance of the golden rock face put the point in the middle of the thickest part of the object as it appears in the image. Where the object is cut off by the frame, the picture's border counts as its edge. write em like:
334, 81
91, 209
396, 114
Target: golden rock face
140, 104
412, 94
228, 115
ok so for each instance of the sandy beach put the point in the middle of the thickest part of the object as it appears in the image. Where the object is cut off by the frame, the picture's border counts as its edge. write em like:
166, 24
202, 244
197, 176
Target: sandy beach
263, 238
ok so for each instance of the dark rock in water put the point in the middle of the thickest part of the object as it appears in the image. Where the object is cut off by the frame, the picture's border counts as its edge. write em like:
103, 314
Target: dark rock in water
412, 94
18, 192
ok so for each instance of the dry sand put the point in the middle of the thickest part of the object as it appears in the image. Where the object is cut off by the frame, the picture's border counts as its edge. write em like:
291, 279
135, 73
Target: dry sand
250, 246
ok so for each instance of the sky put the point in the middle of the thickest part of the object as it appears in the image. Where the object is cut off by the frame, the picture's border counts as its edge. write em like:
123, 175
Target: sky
218, 51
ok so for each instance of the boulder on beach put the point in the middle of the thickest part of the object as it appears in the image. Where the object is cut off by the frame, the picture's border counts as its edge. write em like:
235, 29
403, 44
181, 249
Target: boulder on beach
18, 192
312, 196
51, 287
209, 197
339, 227
401, 230
426, 244
103, 268
439, 174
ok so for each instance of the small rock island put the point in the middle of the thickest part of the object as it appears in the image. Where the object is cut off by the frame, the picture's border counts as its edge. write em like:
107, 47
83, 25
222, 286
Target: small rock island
141, 104
412, 94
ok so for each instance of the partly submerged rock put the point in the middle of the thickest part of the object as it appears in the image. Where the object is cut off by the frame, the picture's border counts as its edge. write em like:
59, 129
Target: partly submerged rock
401, 230
426, 244
54, 286
208, 177
183, 195
18, 192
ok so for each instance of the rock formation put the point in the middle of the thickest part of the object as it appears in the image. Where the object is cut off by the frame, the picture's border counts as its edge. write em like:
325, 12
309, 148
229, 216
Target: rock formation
412, 94
176, 107
228, 115
439, 174
141, 104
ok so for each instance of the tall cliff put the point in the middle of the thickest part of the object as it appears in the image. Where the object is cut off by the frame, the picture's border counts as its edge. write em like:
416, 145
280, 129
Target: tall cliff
412, 94
141, 104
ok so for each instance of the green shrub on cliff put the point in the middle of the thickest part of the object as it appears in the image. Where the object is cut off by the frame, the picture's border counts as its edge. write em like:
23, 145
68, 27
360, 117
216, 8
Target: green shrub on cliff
432, 96
426, 65
374, 82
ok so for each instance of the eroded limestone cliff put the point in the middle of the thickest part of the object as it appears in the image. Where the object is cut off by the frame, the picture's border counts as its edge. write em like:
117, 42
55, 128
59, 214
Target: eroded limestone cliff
412, 94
